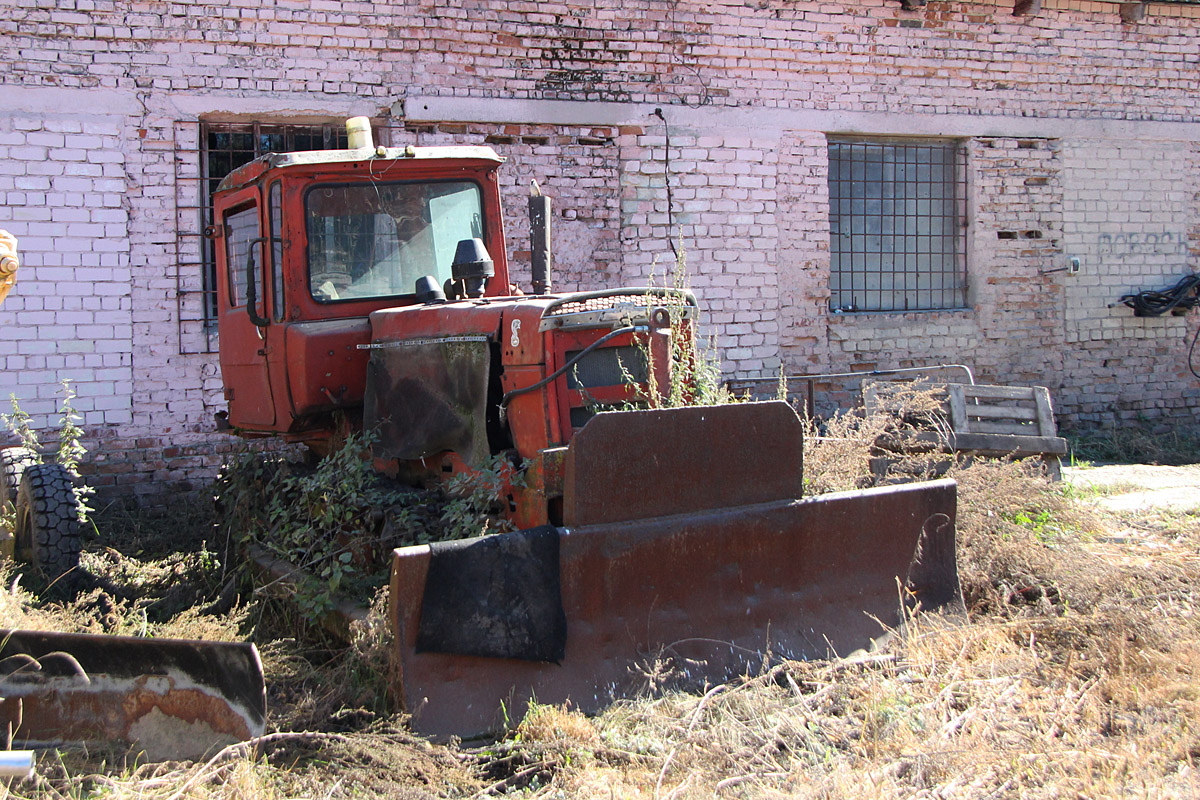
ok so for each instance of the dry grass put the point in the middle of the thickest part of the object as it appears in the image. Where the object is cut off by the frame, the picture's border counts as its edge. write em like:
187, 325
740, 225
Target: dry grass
1077, 675
1165, 441
839, 452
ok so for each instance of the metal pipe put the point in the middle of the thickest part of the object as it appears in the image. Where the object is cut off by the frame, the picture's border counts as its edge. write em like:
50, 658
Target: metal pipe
831, 375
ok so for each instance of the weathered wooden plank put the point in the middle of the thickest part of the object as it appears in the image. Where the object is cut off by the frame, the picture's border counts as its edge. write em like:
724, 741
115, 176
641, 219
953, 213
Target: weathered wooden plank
1024, 413
985, 392
871, 398
996, 444
958, 408
1045, 413
1004, 428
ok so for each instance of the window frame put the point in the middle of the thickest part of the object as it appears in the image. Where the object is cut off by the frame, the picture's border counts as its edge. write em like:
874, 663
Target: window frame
898, 224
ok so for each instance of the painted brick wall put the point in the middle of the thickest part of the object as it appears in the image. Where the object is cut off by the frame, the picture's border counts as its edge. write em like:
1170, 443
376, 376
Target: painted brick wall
1082, 137
722, 229
63, 182
578, 166
1145, 238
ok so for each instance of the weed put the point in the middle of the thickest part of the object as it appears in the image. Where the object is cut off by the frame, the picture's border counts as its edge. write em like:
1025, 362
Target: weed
69, 453
337, 521
694, 374
1040, 522
1140, 442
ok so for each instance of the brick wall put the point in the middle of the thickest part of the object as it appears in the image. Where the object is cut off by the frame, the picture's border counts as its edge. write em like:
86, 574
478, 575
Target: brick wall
1130, 217
1082, 131
63, 181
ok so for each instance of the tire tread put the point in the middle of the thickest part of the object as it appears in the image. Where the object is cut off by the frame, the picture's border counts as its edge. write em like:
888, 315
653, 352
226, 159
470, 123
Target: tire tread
48, 505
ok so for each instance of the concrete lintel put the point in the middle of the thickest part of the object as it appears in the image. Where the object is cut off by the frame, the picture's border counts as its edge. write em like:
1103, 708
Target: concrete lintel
774, 122
267, 106
55, 101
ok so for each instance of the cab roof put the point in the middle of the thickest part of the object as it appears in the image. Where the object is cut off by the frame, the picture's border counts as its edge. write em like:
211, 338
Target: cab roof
248, 173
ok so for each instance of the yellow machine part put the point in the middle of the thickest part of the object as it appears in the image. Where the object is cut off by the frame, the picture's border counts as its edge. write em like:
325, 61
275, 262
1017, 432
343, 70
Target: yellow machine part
8, 263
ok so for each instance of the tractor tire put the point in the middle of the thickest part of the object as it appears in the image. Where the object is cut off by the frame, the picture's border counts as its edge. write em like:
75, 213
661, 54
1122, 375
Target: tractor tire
13, 461
48, 533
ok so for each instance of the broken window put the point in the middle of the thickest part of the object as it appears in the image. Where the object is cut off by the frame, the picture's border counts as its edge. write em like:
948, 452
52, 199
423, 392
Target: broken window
897, 219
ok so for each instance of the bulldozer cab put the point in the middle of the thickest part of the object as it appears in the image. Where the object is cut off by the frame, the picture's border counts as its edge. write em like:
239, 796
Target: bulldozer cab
308, 245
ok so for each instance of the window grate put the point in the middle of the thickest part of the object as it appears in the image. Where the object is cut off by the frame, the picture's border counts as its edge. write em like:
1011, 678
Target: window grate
205, 153
897, 224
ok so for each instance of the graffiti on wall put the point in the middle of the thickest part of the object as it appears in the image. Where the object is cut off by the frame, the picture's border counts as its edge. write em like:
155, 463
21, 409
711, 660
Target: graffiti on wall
1141, 243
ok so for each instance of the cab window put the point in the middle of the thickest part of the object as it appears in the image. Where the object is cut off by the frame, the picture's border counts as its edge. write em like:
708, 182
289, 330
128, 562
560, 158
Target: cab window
241, 229
375, 239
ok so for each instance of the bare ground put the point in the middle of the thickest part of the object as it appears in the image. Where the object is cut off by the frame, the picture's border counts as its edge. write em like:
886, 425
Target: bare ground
1139, 487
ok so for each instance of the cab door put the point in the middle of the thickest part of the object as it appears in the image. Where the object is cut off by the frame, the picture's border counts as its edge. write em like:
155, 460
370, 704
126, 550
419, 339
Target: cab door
242, 317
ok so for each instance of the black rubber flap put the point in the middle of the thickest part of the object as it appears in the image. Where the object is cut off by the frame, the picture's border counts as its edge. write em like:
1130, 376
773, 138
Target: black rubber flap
426, 397
498, 597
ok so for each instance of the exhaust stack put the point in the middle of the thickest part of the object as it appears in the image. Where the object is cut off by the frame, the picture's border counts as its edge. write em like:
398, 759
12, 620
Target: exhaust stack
539, 235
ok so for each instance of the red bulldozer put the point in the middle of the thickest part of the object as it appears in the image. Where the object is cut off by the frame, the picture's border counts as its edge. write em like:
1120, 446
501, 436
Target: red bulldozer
368, 288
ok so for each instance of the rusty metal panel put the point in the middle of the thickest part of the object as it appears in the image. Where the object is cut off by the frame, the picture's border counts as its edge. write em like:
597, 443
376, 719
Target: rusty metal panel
720, 591
173, 698
630, 465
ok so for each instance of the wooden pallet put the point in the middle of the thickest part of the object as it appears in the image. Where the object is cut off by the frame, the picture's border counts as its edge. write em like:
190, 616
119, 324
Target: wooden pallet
998, 421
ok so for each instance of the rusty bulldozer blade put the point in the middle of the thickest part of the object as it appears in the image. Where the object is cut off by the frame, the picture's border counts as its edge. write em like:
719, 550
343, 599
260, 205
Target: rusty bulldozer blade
685, 537
172, 698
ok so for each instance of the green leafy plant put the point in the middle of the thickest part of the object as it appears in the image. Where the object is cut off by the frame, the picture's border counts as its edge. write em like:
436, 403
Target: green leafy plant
70, 448
20, 425
69, 452
1041, 522
337, 520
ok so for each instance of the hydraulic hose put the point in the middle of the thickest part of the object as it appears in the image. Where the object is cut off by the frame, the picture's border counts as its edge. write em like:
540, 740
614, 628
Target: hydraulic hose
572, 361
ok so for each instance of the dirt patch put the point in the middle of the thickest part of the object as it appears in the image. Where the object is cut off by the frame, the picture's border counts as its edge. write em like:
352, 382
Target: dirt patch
1134, 487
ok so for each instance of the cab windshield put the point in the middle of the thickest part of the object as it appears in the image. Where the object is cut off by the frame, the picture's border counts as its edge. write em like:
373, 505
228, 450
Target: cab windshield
370, 240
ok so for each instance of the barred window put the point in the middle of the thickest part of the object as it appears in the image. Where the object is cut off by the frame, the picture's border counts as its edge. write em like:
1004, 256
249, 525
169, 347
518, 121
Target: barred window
227, 146
205, 153
897, 224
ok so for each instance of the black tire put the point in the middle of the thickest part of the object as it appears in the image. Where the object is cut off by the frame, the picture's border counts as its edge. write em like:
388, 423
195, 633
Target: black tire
48, 528
13, 461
